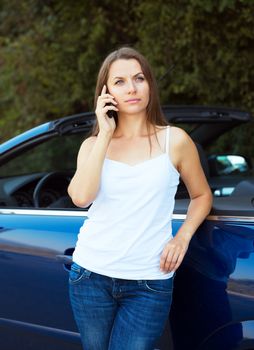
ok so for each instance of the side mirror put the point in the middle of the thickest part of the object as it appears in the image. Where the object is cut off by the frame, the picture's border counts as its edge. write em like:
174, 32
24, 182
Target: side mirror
227, 164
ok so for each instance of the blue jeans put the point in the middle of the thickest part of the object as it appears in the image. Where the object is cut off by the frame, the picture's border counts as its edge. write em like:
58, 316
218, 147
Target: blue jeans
118, 314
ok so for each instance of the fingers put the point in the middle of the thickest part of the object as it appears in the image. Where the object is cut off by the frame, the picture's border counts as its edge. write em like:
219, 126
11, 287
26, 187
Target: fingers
105, 99
172, 257
105, 103
104, 89
106, 96
110, 108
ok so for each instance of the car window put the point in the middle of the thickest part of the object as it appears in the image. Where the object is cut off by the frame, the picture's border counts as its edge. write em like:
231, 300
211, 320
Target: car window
56, 154
230, 145
52, 162
230, 160
227, 162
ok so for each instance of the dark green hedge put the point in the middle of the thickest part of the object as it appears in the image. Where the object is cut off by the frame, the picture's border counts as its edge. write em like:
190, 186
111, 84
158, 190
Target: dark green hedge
50, 52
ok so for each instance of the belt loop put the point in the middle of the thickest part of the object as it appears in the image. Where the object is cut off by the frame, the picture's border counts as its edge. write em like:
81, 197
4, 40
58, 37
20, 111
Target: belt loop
87, 273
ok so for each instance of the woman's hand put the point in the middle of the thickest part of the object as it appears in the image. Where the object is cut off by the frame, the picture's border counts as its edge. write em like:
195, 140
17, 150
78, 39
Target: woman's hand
173, 253
105, 123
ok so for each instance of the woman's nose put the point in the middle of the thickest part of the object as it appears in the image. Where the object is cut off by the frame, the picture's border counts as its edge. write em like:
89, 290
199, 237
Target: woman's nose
131, 87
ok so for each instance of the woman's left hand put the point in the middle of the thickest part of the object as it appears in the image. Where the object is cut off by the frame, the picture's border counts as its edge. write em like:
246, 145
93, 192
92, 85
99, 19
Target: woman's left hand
173, 253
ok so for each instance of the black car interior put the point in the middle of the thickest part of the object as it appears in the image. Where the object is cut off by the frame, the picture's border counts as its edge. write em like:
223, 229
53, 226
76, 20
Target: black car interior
49, 190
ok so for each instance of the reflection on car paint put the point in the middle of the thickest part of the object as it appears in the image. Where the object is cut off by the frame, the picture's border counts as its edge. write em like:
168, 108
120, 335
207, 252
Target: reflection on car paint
214, 284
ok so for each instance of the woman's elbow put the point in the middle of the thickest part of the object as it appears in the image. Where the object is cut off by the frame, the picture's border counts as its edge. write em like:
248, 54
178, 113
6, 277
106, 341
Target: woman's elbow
81, 203
209, 199
79, 199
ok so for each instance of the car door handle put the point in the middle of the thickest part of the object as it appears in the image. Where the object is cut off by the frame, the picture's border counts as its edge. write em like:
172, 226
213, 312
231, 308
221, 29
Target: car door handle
64, 259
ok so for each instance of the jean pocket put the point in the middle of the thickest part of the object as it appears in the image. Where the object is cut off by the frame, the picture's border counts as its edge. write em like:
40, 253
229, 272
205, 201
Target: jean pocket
77, 273
164, 286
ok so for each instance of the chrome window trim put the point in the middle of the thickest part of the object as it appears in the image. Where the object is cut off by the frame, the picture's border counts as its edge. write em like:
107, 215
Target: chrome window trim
82, 213
44, 212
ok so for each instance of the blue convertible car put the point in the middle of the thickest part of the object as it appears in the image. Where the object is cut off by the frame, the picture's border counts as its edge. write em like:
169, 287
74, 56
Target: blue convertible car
213, 300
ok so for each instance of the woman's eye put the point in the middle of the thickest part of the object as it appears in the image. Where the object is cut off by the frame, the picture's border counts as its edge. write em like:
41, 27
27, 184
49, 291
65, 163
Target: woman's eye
118, 82
140, 78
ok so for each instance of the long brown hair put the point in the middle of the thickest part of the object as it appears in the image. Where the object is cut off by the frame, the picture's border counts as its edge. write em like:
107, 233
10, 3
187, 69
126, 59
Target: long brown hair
154, 112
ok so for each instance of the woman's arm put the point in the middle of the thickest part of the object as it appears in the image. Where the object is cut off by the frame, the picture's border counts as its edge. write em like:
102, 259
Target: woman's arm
85, 183
188, 164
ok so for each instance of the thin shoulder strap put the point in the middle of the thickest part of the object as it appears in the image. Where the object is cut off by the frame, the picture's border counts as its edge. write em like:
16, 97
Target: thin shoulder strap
167, 139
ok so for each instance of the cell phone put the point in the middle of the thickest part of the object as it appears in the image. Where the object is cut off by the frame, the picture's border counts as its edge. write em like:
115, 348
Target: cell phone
111, 113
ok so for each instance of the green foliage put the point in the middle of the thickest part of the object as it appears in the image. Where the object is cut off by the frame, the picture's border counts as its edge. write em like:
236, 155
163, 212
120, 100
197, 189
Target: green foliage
212, 50
50, 53
211, 45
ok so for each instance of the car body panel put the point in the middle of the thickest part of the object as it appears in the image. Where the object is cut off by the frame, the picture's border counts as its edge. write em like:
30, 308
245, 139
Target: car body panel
30, 245
30, 250
214, 286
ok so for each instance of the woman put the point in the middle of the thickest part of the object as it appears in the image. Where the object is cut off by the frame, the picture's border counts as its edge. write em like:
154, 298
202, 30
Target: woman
123, 265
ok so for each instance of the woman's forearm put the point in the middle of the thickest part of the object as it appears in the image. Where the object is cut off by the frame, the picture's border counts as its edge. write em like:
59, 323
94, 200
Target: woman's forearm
85, 183
198, 210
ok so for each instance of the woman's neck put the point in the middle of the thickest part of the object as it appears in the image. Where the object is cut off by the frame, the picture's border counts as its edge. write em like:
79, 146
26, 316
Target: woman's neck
131, 126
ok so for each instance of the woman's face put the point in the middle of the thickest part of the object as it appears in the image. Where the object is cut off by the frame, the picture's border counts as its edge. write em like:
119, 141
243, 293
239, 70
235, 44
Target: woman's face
127, 83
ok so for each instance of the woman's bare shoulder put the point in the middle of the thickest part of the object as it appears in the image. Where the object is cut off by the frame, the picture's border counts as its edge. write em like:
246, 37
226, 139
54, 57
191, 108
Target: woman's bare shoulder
88, 142
179, 136
86, 147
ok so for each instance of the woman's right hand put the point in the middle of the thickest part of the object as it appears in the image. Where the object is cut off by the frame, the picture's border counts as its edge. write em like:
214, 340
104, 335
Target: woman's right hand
105, 123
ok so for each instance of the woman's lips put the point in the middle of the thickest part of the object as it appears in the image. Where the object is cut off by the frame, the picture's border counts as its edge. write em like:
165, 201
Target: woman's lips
133, 100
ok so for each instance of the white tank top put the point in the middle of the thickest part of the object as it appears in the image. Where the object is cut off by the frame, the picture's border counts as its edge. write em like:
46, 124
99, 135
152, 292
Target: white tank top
129, 222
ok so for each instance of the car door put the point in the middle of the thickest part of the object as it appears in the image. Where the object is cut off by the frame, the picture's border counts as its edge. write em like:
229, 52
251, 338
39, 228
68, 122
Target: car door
214, 286
35, 312
36, 246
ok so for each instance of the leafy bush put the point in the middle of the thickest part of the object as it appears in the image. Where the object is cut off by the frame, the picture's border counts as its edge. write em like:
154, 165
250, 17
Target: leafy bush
51, 52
